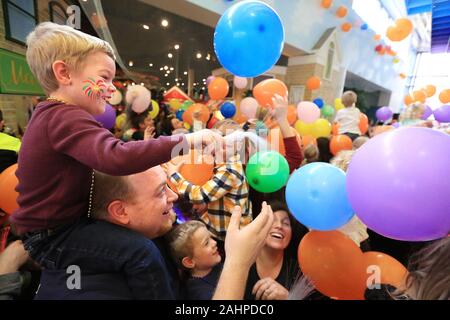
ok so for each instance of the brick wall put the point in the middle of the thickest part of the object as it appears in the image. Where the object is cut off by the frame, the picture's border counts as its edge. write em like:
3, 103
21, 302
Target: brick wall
15, 107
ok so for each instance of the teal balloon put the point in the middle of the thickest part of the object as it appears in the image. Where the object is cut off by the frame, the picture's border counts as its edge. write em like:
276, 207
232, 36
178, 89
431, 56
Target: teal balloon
327, 111
317, 197
267, 171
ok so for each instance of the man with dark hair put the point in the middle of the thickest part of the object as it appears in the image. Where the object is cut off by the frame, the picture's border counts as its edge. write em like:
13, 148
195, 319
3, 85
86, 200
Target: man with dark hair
9, 147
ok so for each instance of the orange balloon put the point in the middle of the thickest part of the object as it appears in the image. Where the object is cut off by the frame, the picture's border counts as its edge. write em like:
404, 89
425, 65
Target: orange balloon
363, 123
197, 169
430, 90
188, 115
240, 118
444, 96
341, 12
8, 194
384, 269
307, 140
408, 100
313, 83
335, 129
218, 88
377, 37
266, 90
334, 263
346, 27
326, 4
420, 96
292, 115
339, 143
402, 75
402, 29
382, 51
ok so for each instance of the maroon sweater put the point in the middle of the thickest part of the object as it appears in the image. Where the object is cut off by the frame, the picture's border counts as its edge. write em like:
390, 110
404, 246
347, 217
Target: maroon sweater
61, 146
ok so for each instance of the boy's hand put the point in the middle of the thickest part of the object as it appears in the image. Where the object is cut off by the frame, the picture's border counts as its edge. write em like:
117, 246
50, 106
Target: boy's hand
280, 108
206, 138
172, 168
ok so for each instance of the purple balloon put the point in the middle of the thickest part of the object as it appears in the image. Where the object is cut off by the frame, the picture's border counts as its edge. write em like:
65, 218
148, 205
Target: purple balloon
442, 114
427, 113
398, 184
209, 79
384, 113
107, 118
396, 125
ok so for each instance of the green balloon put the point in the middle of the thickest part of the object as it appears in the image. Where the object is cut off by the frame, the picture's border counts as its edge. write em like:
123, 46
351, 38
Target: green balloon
186, 105
327, 111
267, 171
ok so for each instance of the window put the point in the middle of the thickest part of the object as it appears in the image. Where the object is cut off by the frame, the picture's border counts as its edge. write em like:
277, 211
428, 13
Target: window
57, 13
330, 60
20, 19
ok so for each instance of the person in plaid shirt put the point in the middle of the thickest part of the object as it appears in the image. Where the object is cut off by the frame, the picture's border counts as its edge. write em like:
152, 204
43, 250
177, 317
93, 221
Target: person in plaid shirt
226, 189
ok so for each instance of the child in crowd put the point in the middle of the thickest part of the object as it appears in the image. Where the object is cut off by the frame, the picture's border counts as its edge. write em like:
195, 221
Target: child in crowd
196, 253
311, 154
140, 124
63, 143
348, 118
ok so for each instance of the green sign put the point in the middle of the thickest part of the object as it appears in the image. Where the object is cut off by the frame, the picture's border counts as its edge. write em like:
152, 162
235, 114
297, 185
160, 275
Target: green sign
16, 76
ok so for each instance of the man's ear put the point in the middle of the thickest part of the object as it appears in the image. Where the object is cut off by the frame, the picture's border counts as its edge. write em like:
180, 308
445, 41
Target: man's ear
117, 213
187, 262
61, 72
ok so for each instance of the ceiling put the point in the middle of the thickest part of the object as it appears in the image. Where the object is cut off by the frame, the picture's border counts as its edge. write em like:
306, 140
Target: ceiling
148, 48
440, 23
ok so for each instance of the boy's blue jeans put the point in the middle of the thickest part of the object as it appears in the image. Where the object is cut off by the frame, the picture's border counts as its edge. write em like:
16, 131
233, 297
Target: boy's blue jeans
99, 248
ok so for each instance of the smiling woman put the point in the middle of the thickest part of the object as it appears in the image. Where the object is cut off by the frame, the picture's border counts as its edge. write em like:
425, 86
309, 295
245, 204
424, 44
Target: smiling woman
276, 267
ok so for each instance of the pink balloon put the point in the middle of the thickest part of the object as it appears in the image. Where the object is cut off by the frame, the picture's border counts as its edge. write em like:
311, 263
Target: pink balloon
239, 82
308, 112
248, 107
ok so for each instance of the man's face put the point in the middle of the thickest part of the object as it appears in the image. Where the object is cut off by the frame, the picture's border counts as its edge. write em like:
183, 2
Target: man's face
150, 210
91, 86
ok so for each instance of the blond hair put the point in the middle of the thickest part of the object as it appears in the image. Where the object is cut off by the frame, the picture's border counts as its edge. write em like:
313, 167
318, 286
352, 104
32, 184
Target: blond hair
342, 159
349, 98
311, 153
50, 42
358, 142
180, 241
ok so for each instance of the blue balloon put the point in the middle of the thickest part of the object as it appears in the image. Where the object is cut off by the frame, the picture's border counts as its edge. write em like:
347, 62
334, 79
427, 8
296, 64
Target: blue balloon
228, 110
319, 102
365, 26
317, 197
249, 38
179, 114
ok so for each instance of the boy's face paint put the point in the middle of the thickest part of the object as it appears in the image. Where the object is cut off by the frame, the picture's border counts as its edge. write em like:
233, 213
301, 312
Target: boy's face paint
94, 81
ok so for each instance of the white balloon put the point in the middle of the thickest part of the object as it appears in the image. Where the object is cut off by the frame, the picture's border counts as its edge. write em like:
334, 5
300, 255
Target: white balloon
116, 98
138, 97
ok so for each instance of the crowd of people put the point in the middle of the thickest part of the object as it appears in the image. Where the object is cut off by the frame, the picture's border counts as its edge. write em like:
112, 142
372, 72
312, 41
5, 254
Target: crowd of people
113, 209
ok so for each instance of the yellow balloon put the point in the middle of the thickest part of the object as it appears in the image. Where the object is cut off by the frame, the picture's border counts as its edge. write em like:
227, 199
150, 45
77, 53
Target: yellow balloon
304, 128
175, 104
121, 120
321, 128
338, 104
155, 110
187, 126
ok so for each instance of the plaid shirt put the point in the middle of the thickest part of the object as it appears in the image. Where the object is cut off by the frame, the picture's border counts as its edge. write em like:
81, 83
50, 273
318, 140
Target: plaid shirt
228, 188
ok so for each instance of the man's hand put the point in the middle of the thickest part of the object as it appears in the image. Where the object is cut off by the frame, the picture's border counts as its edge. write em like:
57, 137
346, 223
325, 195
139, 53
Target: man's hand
206, 139
243, 245
13, 257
